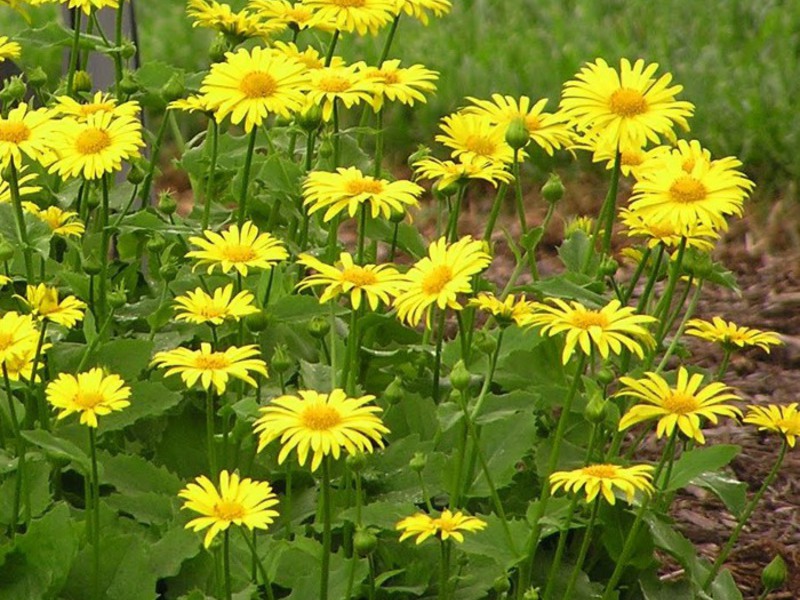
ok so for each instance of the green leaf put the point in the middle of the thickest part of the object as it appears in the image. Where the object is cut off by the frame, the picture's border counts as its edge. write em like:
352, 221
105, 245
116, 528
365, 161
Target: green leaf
725, 588
126, 357
133, 474
570, 286
172, 549
653, 588
37, 479
148, 399
149, 508
730, 490
58, 448
494, 543
700, 460
575, 252
409, 238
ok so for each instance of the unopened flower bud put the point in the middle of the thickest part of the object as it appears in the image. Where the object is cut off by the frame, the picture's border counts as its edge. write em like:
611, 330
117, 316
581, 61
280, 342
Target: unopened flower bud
6, 249
91, 266
82, 82
445, 192
595, 411
173, 89
167, 203
257, 322
605, 376
325, 149
459, 376
486, 343
501, 585
128, 50
92, 199
218, 48
517, 135
553, 189
356, 462
421, 152
156, 243
310, 119
398, 215
319, 327
608, 267
774, 574
418, 462
168, 271
531, 594
117, 299
37, 77
128, 85
135, 174
281, 361
14, 89
394, 392
364, 542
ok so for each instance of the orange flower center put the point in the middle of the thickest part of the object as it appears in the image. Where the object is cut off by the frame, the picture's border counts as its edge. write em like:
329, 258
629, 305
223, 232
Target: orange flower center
320, 418
388, 77
14, 132
600, 471
334, 84
258, 84
92, 141
210, 311
480, 145
88, 400
364, 186
448, 525
349, 3
680, 403
435, 281
228, 510
238, 254
359, 276
211, 362
631, 158
589, 318
89, 109
626, 102
687, 190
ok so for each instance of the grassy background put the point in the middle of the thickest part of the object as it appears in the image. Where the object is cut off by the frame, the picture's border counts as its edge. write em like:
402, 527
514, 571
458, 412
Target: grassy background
737, 60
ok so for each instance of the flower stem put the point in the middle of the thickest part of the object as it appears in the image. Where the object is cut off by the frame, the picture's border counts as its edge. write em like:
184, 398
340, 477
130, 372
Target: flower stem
331, 48
663, 307
259, 565
743, 518
20, 480
19, 217
723, 366
102, 288
611, 203
118, 42
641, 306
495, 212
587, 537
74, 53
212, 450
444, 569
626, 296
452, 222
44, 416
213, 130
326, 529
95, 512
682, 327
155, 151
248, 163
437, 363
389, 39
378, 142
226, 563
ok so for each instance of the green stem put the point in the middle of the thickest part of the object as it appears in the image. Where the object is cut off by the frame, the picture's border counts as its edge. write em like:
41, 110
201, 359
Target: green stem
44, 417
378, 142
212, 449
21, 451
682, 327
389, 39
611, 204
641, 306
226, 563
743, 518
636, 276
362, 234
350, 367
333, 347
326, 529
259, 565
95, 512
75, 52
248, 162
437, 364
393, 248
587, 538
425, 495
723, 366
19, 217
213, 130
452, 221
102, 289
331, 48
444, 569
663, 307
154, 154
495, 212
118, 42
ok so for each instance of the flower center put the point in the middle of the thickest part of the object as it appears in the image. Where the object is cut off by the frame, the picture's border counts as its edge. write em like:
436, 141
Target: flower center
258, 84
359, 276
588, 319
88, 400
631, 158
680, 403
320, 418
480, 145
211, 362
387, 77
601, 471
435, 281
687, 190
92, 141
229, 511
364, 186
349, 3
14, 132
210, 311
238, 254
447, 525
334, 84
626, 102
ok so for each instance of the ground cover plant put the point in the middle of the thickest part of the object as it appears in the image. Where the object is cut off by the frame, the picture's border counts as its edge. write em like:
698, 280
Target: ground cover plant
299, 388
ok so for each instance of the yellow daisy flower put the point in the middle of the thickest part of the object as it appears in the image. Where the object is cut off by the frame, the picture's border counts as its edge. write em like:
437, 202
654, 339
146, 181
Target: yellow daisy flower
343, 83
418, 8
602, 479
732, 336
474, 136
708, 194
252, 84
608, 330
445, 526
92, 394
402, 84
438, 278
23, 179
626, 107
221, 17
95, 146
362, 16
99, 103
784, 420
631, 157
378, 283
682, 405
61, 222
87, 6
295, 15
310, 57
26, 132
669, 233
237, 502
322, 423
448, 172
9, 49
348, 189
43, 303
210, 367
198, 307
240, 249
20, 366
506, 311
550, 131
193, 103
18, 335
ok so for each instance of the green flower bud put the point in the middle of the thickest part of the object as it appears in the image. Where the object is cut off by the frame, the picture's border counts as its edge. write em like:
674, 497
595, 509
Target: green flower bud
398, 215
501, 585
459, 376
553, 189
156, 243
173, 89
605, 376
117, 299
486, 343
310, 119
257, 322
6, 250
218, 48
82, 82
394, 392
168, 271
128, 85
418, 462
281, 121
92, 199
37, 77
319, 327
698, 264
281, 361
421, 152
356, 462
608, 267
442, 193
136, 174
128, 50
531, 594
364, 542
774, 574
15, 89
517, 134
167, 203
325, 149
91, 266
595, 411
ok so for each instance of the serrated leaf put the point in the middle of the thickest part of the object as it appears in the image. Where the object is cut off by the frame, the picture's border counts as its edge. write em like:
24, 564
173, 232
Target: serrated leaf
133, 474
125, 357
148, 399
172, 549
58, 448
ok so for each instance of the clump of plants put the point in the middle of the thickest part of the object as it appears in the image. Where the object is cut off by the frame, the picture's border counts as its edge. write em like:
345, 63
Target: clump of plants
287, 388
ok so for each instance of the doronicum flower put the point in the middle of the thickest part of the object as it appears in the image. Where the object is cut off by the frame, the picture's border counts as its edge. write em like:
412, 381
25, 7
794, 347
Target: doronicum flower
362, 16
95, 146
626, 107
240, 249
506, 311
732, 336
199, 307
631, 157
297, 15
445, 526
43, 303
87, 6
252, 84
221, 17
324, 424
682, 406
781, 419
20, 366
344, 84
475, 136
603, 479
92, 394
608, 329
394, 83
377, 283
210, 367
9, 50
437, 279
237, 502
18, 334
26, 132
670, 233
61, 222
99, 103
448, 172
419, 8
23, 187
349, 189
